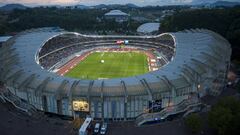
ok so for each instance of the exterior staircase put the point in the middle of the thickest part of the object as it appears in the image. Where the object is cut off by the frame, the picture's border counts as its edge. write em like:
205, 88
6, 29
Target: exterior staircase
187, 105
7, 96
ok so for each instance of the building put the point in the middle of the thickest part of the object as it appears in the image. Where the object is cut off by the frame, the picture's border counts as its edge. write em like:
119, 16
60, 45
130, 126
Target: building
148, 28
197, 67
4, 39
117, 15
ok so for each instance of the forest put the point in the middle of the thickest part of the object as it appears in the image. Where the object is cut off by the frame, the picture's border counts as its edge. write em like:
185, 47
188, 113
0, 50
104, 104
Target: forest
223, 21
68, 19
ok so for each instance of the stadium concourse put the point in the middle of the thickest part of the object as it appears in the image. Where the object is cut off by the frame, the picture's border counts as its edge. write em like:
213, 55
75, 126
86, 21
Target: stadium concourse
192, 64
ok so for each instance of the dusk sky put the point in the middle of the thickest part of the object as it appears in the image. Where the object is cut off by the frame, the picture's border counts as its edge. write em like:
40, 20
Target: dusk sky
95, 2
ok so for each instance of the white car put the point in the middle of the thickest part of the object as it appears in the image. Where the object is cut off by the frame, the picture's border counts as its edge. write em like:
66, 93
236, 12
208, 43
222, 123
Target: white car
103, 129
96, 128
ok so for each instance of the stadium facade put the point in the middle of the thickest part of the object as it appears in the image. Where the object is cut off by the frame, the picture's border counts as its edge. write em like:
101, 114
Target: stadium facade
197, 66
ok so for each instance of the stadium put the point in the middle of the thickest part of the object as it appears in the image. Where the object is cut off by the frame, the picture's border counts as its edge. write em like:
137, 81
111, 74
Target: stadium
141, 78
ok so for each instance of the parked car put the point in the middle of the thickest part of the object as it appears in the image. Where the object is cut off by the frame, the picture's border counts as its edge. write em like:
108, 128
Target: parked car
96, 128
103, 129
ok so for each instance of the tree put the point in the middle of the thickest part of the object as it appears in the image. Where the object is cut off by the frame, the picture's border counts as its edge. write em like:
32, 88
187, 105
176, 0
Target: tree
194, 122
220, 118
223, 21
225, 116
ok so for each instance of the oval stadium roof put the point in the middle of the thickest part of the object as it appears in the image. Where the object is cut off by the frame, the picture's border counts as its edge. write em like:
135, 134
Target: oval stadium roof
116, 12
196, 50
4, 38
148, 27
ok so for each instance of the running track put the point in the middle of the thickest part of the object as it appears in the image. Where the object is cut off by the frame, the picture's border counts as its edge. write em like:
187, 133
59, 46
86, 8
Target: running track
71, 64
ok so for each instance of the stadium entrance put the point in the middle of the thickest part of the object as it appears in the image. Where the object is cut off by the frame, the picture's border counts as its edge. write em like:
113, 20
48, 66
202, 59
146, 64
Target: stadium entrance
155, 106
80, 108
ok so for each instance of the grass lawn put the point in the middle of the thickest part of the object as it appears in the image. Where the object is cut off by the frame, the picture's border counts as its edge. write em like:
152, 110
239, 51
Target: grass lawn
115, 65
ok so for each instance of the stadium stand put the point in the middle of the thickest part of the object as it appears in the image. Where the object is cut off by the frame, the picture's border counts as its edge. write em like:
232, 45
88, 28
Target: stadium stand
62, 47
194, 64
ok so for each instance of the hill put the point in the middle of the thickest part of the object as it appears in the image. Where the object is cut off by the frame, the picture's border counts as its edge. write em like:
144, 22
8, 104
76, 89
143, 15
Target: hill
10, 7
115, 6
215, 4
225, 4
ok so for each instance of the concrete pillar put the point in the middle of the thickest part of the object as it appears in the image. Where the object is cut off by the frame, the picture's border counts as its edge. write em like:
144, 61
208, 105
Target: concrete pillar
102, 108
125, 108
59, 106
44, 103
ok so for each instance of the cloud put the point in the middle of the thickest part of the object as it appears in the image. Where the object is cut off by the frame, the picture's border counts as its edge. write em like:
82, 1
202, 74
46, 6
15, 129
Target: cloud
91, 2
40, 2
95, 2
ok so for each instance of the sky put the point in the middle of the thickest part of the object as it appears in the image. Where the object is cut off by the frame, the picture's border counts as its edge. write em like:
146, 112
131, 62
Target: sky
95, 2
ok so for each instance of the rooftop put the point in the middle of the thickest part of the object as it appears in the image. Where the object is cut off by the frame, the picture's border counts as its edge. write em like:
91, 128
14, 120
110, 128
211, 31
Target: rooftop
116, 12
4, 38
194, 48
148, 27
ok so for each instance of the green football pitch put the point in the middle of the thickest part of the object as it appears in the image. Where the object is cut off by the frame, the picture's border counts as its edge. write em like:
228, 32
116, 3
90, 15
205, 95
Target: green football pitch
115, 65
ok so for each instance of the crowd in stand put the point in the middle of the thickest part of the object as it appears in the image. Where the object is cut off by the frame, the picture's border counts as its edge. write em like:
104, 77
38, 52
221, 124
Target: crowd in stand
51, 59
167, 52
167, 42
57, 43
161, 62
